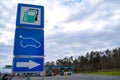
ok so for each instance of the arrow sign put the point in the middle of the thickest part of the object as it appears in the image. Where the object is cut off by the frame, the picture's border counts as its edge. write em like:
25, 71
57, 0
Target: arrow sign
21, 64
30, 64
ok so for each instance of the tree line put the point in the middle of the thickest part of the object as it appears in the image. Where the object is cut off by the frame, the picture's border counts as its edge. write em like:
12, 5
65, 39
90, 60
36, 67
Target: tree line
107, 60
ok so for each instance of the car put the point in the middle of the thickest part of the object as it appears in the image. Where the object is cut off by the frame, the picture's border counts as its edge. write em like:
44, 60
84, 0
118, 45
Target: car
29, 42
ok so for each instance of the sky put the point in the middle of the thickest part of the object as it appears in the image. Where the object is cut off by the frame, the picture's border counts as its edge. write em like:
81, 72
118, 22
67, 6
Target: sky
72, 27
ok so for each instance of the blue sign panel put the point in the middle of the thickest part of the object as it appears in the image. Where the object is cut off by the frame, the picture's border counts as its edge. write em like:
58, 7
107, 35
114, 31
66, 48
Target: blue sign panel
28, 64
29, 42
30, 16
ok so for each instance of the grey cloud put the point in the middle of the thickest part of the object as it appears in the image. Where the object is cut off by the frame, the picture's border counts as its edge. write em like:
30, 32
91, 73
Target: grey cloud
84, 11
71, 2
103, 10
80, 42
6, 49
6, 55
8, 13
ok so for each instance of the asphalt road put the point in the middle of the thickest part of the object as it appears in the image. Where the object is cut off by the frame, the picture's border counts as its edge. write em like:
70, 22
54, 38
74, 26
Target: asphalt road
73, 77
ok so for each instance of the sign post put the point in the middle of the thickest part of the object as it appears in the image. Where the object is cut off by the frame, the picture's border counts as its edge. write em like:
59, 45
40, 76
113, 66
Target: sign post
29, 39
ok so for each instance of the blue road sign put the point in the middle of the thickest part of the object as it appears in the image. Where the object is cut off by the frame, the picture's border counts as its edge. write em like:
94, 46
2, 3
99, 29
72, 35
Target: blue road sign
28, 64
29, 42
30, 16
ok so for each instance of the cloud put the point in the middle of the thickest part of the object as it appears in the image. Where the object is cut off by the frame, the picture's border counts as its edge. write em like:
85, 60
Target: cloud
89, 26
6, 55
91, 16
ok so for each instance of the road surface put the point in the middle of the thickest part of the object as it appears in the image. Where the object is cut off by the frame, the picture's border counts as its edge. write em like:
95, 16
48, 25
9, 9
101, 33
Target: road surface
74, 77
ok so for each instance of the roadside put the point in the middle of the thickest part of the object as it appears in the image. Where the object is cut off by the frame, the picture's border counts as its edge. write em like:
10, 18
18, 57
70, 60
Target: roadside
103, 73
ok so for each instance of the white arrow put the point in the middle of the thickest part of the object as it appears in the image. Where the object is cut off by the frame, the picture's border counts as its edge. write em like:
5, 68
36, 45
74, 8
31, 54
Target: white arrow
30, 64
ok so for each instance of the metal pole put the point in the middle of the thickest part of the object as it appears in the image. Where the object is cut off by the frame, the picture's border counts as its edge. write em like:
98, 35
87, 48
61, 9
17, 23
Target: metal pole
3, 69
28, 76
42, 78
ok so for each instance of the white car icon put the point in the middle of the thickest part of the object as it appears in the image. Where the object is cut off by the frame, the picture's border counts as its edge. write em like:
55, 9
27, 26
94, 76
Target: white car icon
29, 42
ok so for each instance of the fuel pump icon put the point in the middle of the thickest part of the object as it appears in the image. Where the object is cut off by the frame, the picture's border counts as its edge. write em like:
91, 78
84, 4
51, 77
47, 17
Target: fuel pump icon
30, 16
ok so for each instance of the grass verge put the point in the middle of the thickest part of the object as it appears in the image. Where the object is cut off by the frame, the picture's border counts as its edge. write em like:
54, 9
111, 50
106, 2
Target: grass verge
104, 73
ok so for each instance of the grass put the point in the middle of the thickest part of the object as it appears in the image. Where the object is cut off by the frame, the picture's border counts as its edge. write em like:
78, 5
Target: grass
104, 73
